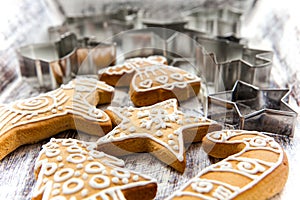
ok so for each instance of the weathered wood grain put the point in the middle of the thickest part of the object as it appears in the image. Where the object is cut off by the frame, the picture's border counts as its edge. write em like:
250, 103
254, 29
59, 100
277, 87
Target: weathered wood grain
16, 170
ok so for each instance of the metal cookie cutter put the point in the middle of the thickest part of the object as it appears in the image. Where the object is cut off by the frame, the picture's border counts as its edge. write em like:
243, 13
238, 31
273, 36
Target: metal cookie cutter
103, 26
52, 64
215, 21
250, 108
178, 47
223, 62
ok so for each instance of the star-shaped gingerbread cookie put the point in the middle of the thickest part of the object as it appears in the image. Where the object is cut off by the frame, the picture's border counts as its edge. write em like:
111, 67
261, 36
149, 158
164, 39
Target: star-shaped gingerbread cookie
160, 129
72, 106
73, 169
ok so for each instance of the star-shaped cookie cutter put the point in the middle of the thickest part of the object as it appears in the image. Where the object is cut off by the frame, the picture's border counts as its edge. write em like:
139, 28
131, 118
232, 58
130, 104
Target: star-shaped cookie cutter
223, 62
250, 108
52, 64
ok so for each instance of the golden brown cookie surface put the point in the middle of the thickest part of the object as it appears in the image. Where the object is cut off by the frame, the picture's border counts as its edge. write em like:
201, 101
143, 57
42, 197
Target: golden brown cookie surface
73, 169
121, 75
72, 106
255, 167
156, 83
160, 129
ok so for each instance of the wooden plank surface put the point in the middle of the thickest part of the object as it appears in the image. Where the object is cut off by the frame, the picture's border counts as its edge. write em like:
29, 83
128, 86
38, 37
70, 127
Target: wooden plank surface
16, 170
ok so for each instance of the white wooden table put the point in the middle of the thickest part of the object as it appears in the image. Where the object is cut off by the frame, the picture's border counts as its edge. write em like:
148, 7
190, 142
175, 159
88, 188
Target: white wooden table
16, 170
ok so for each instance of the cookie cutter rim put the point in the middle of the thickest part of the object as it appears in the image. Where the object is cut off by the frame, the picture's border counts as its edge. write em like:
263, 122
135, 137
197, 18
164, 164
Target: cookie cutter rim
259, 66
289, 111
222, 21
64, 65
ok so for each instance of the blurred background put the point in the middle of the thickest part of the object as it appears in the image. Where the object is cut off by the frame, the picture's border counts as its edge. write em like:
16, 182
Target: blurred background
266, 24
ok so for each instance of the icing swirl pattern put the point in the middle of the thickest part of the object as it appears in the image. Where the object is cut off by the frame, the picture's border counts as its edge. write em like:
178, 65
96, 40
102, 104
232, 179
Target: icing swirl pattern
235, 175
76, 100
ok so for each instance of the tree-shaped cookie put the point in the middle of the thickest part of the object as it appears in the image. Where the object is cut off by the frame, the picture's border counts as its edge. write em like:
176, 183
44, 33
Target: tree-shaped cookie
155, 83
160, 129
255, 167
73, 169
121, 74
72, 106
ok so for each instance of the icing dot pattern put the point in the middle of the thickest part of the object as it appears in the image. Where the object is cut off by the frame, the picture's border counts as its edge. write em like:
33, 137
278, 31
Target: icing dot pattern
161, 123
80, 176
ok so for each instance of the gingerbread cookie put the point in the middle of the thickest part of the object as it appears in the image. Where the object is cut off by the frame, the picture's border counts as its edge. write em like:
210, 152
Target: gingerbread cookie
73, 169
160, 129
121, 75
256, 167
156, 83
71, 106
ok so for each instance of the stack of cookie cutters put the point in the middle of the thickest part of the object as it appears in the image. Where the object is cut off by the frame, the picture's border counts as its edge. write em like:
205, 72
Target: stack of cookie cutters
215, 21
113, 19
117, 17
168, 38
223, 62
227, 59
54, 63
251, 108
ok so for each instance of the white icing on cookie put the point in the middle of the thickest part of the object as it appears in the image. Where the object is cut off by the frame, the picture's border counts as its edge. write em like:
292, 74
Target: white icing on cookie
72, 98
68, 189
79, 176
161, 77
159, 123
104, 183
146, 83
94, 168
131, 65
255, 168
63, 174
50, 168
202, 186
76, 158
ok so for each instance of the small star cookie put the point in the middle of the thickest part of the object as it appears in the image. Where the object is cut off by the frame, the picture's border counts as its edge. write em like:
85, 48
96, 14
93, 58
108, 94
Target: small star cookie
72, 106
121, 75
160, 129
73, 169
255, 167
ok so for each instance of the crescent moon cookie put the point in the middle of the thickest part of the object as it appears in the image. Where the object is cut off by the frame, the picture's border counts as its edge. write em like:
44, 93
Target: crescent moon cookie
156, 83
73, 169
72, 106
160, 129
255, 167
121, 75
